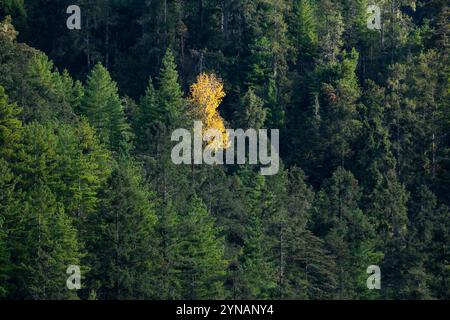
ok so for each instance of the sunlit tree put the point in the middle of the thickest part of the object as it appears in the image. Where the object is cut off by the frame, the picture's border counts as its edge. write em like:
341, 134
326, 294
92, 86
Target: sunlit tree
206, 95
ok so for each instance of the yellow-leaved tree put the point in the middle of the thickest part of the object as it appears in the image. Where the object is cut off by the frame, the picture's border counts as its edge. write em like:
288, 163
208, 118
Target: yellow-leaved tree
206, 94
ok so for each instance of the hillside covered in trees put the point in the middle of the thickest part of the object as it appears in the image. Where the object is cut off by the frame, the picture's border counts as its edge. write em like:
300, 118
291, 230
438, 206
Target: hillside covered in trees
86, 176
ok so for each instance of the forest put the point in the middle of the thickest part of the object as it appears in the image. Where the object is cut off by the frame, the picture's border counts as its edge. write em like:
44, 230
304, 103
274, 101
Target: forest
87, 179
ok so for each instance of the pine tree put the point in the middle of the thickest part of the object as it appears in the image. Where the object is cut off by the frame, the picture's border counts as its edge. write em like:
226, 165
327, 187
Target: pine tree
149, 120
83, 169
252, 113
45, 244
10, 135
169, 91
330, 31
339, 123
10, 126
374, 102
257, 274
49, 94
12, 7
201, 263
305, 32
437, 265
167, 277
103, 107
258, 278
346, 230
121, 237
389, 214
374, 155
73, 91
301, 248
427, 276
69, 160
318, 279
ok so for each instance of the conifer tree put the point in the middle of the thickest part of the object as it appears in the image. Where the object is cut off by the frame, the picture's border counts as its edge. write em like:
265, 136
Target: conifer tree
45, 244
169, 91
6, 213
253, 114
149, 119
103, 107
258, 275
374, 102
305, 32
201, 264
339, 120
10, 126
374, 155
167, 277
346, 230
426, 246
330, 31
121, 242
10, 136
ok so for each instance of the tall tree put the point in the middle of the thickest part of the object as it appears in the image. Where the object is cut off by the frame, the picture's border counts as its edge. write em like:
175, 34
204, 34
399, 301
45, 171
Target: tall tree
346, 230
103, 107
169, 91
121, 241
45, 244
201, 263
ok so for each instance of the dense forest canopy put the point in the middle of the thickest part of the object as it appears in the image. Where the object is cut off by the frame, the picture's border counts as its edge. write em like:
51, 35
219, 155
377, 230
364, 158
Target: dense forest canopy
86, 176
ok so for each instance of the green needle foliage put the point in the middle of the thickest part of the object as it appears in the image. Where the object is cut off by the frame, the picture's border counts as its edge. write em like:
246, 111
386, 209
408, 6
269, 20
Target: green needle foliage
86, 176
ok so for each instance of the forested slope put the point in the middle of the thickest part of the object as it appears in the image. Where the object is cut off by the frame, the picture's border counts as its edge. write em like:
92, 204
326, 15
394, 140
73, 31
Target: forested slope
86, 176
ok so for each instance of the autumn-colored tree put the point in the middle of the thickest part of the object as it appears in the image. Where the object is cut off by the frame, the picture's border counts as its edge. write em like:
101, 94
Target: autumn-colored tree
206, 95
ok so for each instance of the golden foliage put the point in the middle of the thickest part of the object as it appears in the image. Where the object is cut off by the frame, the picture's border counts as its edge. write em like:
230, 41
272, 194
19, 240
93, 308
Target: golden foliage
206, 94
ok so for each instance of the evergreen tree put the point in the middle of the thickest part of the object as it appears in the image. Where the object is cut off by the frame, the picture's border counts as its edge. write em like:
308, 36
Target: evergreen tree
374, 155
426, 249
169, 91
346, 230
149, 119
257, 272
121, 240
330, 31
374, 102
201, 264
12, 7
6, 212
305, 32
45, 244
10, 135
253, 114
316, 276
103, 107
10, 126
335, 113
167, 277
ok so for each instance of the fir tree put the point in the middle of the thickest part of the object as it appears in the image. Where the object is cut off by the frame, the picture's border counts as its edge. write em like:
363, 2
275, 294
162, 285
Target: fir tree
46, 244
346, 230
103, 107
201, 263
169, 91
121, 245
